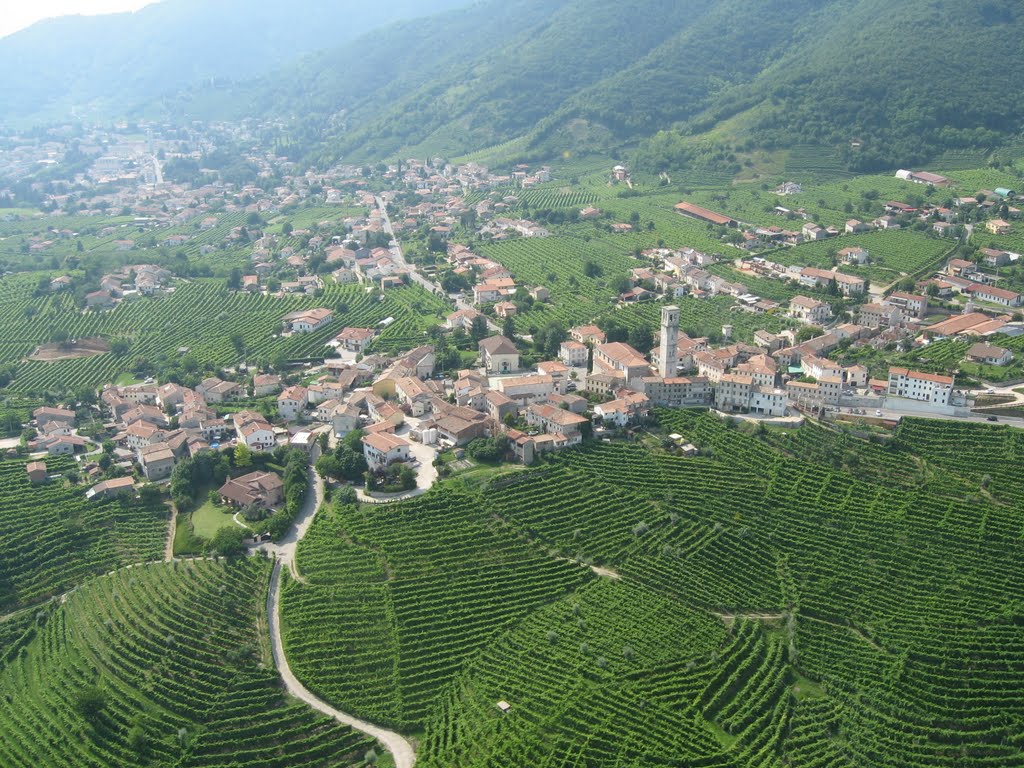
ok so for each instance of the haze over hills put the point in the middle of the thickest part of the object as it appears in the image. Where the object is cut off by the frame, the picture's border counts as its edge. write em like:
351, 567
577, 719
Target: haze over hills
100, 66
599, 74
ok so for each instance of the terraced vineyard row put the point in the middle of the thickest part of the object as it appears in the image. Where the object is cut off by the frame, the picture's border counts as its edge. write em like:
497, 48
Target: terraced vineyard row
412, 592
162, 665
158, 327
52, 537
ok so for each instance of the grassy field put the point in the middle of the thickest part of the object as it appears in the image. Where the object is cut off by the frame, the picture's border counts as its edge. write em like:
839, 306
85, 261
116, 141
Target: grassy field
210, 518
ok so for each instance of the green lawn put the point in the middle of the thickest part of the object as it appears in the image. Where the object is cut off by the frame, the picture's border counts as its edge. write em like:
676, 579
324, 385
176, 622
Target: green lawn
210, 518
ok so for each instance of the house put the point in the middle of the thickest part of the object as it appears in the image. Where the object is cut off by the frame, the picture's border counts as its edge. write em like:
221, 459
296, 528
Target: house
587, 334
880, 315
499, 405
961, 268
995, 295
259, 489
943, 228
540, 293
924, 387
989, 354
505, 309
624, 410
345, 420
809, 310
99, 300
171, 395
266, 384
36, 471
558, 371
525, 390
257, 435
142, 433
307, 320
499, 355
994, 257
557, 421
911, 304
854, 226
216, 390
108, 489
463, 319
382, 449
998, 227
573, 354
853, 255
354, 339
157, 461
45, 416
292, 402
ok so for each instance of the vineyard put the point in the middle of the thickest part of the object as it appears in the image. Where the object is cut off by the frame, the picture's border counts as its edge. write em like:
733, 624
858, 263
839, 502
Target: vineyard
52, 537
559, 263
411, 592
161, 665
788, 597
158, 327
892, 254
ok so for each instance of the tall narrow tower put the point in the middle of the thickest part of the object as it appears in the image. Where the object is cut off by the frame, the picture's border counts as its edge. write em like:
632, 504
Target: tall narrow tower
668, 353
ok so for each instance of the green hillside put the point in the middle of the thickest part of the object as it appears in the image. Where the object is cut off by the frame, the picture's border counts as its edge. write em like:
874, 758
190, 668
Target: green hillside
161, 665
719, 78
789, 597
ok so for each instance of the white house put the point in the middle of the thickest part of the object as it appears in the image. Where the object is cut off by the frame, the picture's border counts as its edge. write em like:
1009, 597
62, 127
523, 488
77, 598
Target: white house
307, 320
382, 449
925, 387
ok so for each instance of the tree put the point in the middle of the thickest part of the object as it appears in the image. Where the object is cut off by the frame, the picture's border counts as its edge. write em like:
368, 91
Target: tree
90, 702
234, 281
508, 328
228, 541
328, 466
287, 229
479, 331
243, 456
406, 477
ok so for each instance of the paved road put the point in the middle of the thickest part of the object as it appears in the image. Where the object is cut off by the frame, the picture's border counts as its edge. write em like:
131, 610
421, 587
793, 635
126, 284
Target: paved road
284, 551
400, 749
414, 273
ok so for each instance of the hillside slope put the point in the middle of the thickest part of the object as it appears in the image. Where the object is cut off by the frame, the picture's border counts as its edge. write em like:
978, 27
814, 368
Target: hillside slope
597, 74
101, 65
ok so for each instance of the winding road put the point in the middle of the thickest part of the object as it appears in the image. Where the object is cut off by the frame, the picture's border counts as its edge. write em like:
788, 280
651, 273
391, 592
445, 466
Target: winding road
284, 552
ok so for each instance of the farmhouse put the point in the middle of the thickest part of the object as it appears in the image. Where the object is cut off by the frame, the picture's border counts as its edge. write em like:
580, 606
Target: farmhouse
989, 354
853, 255
157, 461
307, 320
36, 471
556, 421
111, 488
703, 214
216, 390
261, 489
998, 227
525, 390
995, 295
46, 416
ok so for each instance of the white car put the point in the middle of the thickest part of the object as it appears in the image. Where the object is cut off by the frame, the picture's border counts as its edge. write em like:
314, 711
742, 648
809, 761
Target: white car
878, 413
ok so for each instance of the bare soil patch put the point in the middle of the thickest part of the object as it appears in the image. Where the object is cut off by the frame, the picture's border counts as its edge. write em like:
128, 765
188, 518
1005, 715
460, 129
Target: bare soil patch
70, 351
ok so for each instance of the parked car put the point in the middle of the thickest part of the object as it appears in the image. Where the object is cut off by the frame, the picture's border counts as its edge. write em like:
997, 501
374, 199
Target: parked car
992, 418
878, 413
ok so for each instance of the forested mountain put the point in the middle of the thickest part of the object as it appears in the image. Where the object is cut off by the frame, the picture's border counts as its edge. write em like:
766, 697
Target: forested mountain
904, 80
99, 66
